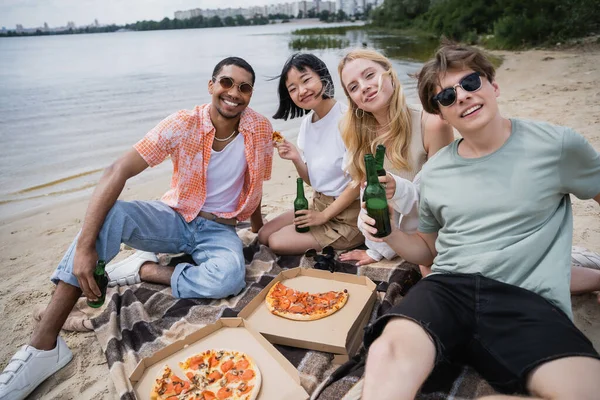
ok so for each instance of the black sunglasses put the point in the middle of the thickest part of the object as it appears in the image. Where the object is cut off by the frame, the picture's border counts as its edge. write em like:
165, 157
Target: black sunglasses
227, 83
470, 83
325, 260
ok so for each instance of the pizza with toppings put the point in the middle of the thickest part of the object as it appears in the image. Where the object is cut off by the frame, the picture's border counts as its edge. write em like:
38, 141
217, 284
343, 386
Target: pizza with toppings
303, 306
213, 374
278, 137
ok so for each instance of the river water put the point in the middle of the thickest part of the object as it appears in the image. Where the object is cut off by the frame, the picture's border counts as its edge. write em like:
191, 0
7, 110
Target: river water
71, 104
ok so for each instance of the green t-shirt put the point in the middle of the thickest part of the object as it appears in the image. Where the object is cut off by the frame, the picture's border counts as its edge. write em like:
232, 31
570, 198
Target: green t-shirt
508, 215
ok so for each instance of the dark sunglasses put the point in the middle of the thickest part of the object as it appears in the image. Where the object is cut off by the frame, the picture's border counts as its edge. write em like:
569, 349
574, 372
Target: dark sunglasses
227, 83
325, 260
470, 83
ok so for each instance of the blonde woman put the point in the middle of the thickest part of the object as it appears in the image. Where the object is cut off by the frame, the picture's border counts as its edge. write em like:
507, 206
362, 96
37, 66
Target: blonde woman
378, 114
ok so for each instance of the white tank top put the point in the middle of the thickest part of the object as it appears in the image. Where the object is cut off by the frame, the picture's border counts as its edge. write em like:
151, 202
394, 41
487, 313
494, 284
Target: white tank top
225, 177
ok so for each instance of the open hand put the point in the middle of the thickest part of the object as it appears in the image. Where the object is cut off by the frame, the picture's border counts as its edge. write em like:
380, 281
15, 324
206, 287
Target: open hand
287, 151
306, 218
360, 256
84, 264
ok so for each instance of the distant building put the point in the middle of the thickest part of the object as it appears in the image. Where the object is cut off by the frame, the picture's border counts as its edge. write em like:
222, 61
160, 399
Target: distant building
291, 9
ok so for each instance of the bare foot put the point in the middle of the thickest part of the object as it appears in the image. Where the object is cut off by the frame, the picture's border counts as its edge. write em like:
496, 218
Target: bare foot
78, 321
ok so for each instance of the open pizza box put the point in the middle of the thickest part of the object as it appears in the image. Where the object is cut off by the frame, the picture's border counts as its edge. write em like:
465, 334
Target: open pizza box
340, 333
280, 379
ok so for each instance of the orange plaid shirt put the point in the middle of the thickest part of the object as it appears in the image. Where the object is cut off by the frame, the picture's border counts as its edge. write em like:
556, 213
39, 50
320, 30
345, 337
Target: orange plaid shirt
187, 137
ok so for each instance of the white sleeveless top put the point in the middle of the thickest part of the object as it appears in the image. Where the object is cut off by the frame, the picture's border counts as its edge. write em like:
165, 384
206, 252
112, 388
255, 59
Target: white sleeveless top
417, 153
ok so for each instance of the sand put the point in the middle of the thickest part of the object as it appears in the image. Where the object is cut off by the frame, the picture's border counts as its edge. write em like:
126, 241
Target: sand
556, 86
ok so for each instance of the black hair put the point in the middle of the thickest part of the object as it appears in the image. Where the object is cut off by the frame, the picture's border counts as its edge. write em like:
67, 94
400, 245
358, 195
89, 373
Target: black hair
301, 61
238, 62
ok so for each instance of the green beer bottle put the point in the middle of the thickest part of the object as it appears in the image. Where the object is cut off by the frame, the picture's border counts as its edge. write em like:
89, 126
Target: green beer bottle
377, 206
379, 159
102, 282
300, 203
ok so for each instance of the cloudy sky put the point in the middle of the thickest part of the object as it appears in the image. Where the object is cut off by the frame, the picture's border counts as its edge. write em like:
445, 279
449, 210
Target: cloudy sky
33, 13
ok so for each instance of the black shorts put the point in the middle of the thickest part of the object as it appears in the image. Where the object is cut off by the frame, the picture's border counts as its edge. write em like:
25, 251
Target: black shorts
501, 330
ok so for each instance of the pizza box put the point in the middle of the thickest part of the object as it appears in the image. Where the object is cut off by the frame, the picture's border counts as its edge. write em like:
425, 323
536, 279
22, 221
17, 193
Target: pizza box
280, 379
339, 333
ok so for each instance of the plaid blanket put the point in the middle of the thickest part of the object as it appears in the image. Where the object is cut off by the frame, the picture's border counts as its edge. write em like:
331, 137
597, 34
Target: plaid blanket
138, 320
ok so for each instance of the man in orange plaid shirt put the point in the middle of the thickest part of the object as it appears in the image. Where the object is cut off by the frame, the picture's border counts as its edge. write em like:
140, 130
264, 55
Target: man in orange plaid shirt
221, 154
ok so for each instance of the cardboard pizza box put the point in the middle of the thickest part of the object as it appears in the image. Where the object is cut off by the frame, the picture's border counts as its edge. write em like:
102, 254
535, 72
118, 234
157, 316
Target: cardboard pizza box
339, 333
280, 379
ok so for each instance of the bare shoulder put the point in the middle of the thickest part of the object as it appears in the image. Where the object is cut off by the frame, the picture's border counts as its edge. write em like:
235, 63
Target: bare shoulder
437, 133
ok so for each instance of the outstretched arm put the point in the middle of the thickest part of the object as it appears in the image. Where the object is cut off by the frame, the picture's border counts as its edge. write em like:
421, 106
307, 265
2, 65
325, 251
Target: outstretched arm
103, 198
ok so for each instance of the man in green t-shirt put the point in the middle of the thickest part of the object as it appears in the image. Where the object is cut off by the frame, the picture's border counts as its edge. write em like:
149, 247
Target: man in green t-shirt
495, 221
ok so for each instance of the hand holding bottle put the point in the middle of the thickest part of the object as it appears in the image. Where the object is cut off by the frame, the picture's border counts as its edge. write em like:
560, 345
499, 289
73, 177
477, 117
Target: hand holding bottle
367, 225
389, 183
84, 264
307, 218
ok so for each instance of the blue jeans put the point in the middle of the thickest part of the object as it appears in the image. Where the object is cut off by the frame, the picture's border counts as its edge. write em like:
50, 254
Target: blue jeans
155, 227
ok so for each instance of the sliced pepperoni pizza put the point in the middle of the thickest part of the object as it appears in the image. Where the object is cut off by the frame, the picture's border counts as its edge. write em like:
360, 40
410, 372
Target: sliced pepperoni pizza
303, 306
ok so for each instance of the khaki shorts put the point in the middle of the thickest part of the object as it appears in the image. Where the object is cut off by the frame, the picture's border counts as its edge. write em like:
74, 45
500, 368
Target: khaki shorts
340, 232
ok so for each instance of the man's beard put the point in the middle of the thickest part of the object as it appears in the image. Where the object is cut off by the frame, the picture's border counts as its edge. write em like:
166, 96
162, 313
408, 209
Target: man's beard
228, 116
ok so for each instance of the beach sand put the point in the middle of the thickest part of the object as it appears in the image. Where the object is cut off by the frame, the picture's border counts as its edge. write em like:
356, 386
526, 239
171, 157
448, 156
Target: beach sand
556, 86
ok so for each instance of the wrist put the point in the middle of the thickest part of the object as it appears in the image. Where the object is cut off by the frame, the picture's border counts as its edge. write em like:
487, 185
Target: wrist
389, 237
85, 244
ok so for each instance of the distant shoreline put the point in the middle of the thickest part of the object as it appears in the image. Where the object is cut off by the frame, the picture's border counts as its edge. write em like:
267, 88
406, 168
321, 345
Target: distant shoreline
113, 28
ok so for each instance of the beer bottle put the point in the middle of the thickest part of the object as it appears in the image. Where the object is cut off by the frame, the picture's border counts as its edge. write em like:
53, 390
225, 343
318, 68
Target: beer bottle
379, 159
377, 206
102, 282
300, 203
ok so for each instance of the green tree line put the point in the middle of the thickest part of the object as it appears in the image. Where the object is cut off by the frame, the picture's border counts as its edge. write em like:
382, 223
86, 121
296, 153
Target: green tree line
197, 22
502, 23
164, 24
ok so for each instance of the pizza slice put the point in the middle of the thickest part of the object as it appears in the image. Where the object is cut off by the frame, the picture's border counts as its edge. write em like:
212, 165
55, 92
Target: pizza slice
278, 137
169, 386
303, 306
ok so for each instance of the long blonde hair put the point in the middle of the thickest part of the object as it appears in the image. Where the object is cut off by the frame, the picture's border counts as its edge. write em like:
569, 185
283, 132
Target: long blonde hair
360, 133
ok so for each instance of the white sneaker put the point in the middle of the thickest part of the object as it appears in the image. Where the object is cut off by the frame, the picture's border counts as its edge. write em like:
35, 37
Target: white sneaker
127, 271
29, 367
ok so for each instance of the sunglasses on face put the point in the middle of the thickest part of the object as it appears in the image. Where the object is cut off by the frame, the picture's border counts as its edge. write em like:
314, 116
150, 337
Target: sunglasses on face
227, 83
470, 83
